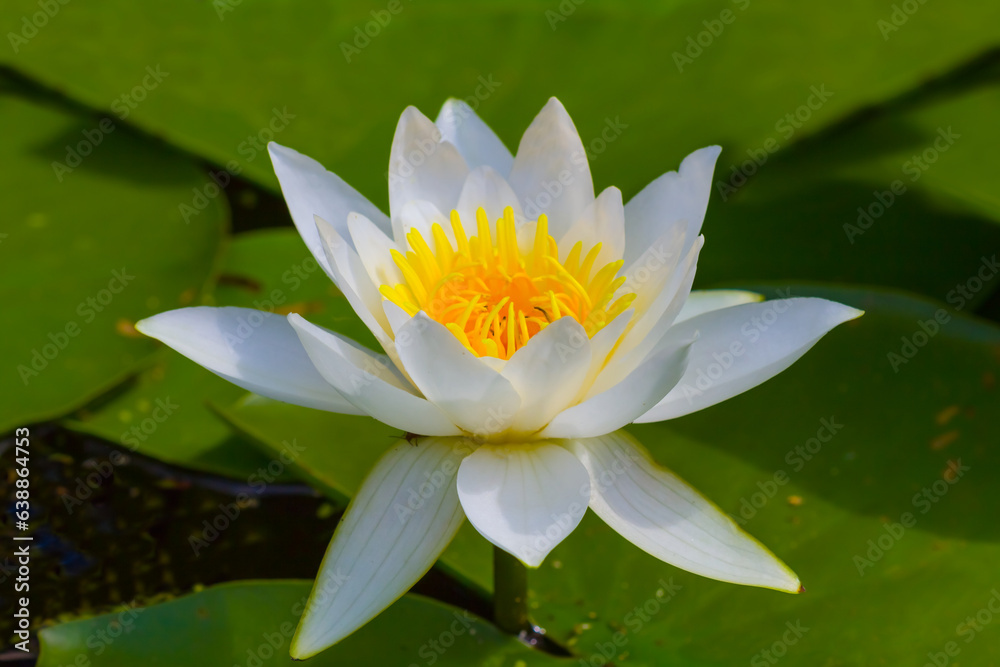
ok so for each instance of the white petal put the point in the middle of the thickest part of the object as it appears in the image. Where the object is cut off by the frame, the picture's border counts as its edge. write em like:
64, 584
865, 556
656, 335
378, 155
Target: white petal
649, 327
602, 345
602, 222
550, 173
476, 398
621, 404
742, 346
703, 301
311, 190
397, 316
487, 189
422, 166
659, 513
369, 381
421, 215
374, 249
473, 138
676, 195
402, 518
648, 275
354, 283
255, 350
547, 372
524, 498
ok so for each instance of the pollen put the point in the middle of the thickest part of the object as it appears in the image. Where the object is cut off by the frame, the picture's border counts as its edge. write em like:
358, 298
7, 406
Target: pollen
493, 296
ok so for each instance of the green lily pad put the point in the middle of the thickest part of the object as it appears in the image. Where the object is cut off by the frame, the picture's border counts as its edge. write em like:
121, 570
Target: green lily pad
901, 200
92, 241
165, 413
251, 623
312, 59
889, 523
700, 61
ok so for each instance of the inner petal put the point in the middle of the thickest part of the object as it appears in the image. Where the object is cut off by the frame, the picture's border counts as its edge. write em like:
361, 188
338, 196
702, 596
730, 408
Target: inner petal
493, 296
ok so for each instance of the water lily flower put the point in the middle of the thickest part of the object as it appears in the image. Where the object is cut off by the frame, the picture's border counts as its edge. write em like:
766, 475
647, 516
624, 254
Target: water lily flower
523, 322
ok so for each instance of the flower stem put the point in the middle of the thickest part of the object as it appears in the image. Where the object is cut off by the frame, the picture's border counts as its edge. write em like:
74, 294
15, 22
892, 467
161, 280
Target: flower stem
510, 593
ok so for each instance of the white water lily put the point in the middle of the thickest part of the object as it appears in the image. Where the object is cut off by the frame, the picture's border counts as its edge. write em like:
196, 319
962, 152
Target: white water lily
524, 321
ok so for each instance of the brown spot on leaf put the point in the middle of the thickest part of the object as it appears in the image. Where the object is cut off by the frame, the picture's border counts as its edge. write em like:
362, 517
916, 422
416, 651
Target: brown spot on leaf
301, 308
944, 440
947, 414
240, 282
127, 328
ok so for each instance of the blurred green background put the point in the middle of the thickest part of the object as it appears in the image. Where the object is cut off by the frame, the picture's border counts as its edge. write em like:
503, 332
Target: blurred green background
860, 163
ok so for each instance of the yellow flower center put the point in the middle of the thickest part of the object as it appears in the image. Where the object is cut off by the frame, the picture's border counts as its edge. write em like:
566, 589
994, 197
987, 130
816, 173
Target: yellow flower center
494, 297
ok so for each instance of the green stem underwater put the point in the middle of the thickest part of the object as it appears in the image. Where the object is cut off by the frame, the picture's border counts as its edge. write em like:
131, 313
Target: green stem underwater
510, 593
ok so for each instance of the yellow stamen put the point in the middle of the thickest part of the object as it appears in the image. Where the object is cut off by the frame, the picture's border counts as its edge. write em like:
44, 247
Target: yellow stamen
493, 297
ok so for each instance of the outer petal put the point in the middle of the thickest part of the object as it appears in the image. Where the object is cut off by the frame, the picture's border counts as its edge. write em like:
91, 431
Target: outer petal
352, 278
374, 249
602, 222
649, 328
550, 173
386, 541
473, 138
704, 301
367, 380
524, 498
311, 190
659, 513
252, 349
486, 188
742, 346
422, 166
476, 398
676, 195
649, 274
547, 372
621, 404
